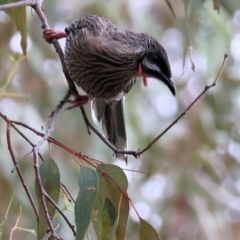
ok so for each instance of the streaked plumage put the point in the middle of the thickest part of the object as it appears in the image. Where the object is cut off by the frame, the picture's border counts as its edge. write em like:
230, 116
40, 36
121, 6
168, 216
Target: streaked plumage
104, 61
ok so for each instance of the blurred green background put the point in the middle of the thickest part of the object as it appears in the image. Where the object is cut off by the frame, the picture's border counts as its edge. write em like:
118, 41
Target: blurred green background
191, 185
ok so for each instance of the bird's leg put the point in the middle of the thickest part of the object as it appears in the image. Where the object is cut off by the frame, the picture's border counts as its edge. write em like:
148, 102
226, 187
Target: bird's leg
139, 73
50, 34
79, 101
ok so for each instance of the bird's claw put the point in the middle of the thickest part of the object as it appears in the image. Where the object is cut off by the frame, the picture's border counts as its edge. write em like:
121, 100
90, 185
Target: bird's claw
50, 34
79, 101
137, 153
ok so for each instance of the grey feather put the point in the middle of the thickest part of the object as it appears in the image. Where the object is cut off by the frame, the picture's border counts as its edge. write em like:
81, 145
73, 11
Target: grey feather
113, 123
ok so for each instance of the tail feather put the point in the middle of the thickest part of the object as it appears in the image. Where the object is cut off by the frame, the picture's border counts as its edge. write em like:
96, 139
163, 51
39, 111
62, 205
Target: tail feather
113, 123
98, 108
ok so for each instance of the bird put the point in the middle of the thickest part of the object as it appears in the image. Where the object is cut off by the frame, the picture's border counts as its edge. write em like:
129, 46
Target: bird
105, 61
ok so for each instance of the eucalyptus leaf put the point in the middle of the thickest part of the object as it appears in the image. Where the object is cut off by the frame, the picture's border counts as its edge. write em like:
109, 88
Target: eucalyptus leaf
88, 188
50, 177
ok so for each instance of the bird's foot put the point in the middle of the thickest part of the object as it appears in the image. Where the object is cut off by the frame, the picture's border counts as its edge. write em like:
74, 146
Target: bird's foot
50, 34
137, 153
79, 101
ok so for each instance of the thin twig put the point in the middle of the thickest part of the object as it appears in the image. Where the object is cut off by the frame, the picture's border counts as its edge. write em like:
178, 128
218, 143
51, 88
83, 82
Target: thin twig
71, 85
30, 3
85, 118
65, 189
61, 213
16, 224
17, 168
50, 139
49, 130
38, 8
110, 145
23, 136
42, 192
62, 185
53, 121
187, 109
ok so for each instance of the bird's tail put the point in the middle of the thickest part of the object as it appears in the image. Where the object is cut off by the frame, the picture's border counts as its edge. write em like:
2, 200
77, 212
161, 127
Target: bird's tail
113, 123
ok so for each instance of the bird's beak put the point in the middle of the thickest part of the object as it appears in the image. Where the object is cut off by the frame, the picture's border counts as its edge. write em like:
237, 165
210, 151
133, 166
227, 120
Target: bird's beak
169, 82
150, 69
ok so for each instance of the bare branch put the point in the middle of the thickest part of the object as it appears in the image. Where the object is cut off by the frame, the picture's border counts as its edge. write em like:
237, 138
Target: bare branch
66, 192
72, 87
60, 211
17, 168
53, 121
30, 3
42, 192
194, 101
62, 185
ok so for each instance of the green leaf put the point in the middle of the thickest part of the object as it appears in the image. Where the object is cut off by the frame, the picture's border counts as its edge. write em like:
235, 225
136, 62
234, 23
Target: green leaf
170, 7
109, 216
88, 187
120, 201
96, 217
18, 15
50, 177
112, 234
147, 232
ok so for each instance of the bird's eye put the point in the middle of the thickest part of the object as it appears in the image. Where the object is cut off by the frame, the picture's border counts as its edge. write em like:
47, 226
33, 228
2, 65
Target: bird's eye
153, 56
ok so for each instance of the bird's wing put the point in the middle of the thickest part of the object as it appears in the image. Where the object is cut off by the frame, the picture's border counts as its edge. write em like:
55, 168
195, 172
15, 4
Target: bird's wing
99, 34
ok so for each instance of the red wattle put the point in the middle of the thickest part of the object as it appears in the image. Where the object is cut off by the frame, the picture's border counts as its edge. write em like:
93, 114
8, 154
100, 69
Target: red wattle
145, 81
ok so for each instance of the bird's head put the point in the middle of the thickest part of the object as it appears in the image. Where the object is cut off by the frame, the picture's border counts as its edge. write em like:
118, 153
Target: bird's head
154, 62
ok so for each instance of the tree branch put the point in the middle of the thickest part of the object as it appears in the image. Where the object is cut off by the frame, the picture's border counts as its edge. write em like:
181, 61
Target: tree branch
18, 169
30, 3
42, 191
72, 88
61, 213
188, 108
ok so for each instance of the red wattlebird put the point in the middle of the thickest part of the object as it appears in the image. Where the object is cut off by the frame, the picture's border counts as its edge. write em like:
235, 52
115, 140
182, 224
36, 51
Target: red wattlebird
104, 61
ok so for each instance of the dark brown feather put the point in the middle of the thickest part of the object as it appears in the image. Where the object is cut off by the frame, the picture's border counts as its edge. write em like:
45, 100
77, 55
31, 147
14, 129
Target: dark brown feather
104, 60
